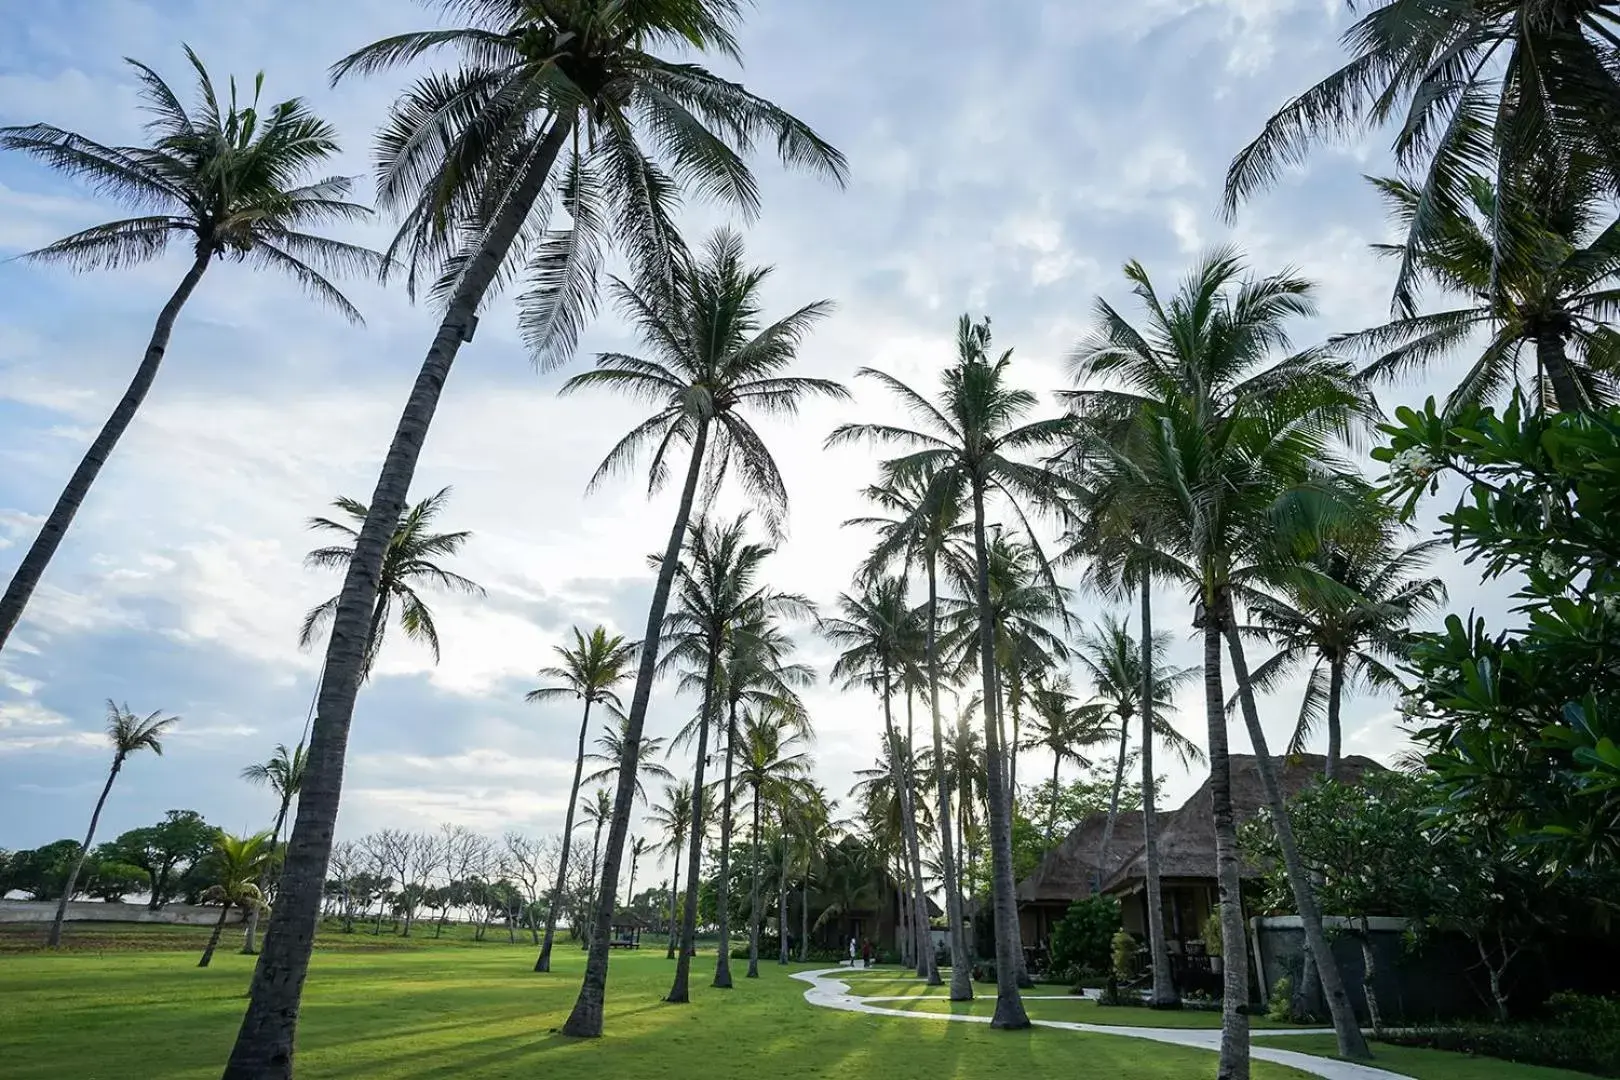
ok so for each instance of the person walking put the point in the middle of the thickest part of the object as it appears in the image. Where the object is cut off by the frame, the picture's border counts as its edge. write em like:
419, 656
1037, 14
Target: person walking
866, 953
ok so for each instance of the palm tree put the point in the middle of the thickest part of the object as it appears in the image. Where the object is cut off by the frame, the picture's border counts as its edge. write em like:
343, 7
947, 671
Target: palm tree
719, 599
470, 157
587, 672
1112, 659
1221, 457
129, 734
284, 775
775, 770
227, 183
1062, 727
612, 755
815, 830
1537, 262
238, 863
1494, 84
596, 811
714, 363
930, 533
409, 562
878, 631
641, 846
968, 446
1348, 618
673, 817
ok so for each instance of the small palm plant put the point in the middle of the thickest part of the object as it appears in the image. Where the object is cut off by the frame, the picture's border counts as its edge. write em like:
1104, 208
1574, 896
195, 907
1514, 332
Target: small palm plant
224, 182
409, 562
238, 863
129, 734
284, 775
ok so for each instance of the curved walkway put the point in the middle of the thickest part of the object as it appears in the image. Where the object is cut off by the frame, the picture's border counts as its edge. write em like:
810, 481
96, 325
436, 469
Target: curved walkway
830, 990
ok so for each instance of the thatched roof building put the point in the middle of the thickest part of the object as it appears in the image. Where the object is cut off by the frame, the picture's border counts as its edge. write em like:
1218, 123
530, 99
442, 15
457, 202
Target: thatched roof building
1076, 867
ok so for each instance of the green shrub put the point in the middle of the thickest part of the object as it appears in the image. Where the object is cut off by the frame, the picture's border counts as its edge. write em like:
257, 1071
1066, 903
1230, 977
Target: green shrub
769, 947
1558, 1044
1124, 956
1082, 940
1281, 1006
1210, 932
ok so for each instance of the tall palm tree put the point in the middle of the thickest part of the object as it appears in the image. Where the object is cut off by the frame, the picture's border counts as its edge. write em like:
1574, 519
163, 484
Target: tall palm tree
1493, 84
640, 847
596, 811
1347, 618
714, 363
969, 445
283, 773
238, 864
1063, 728
673, 817
1537, 263
588, 672
470, 157
129, 734
1226, 452
225, 182
408, 563
772, 766
1111, 658
612, 754
878, 631
814, 829
925, 531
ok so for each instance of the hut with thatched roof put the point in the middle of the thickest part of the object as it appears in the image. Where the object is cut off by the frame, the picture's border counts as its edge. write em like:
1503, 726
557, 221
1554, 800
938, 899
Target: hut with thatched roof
1073, 870
1187, 847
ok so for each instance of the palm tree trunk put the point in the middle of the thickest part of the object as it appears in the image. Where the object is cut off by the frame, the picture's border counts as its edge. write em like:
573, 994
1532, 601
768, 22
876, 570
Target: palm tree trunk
54, 939
782, 899
543, 961
927, 964
753, 897
586, 1017
1351, 1043
1009, 756
1335, 733
1113, 800
1552, 359
26, 578
961, 976
722, 887
1009, 1006
1234, 1052
213, 939
1165, 994
679, 991
674, 890
264, 1044
596, 854
250, 934
804, 913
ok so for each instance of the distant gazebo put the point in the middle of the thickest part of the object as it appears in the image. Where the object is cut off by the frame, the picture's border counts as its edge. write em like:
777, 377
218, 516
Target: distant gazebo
625, 932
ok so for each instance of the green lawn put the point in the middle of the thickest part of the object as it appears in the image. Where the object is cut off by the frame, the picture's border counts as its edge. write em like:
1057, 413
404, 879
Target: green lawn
926, 999
478, 1013
1433, 1064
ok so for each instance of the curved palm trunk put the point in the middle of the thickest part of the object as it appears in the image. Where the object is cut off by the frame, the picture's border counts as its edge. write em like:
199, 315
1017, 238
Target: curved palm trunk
1335, 747
1552, 360
213, 939
1009, 1006
54, 938
961, 961
674, 891
927, 964
26, 578
1113, 800
1234, 1052
753, 898
264, 1044
596, 854
722, 887
679, 990
543, 961
1351, 1043
250, 934
1164, 994
586, 1017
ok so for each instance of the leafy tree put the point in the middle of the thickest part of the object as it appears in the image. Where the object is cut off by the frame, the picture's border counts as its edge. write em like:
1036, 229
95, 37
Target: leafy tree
237, 865
1082, 941
470, 156
164, 851
226, 183
41, 873
408, 563
587, 672
129, 734
714, 364
969, 446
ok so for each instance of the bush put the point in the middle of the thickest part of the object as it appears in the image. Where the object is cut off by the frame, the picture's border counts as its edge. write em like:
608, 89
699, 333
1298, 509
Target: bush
1281, 1006
1559, 1043
769, 947
1081, 940
1124, 956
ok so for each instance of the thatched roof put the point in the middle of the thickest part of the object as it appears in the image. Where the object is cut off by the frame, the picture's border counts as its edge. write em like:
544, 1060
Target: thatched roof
1187, 840
1071, 870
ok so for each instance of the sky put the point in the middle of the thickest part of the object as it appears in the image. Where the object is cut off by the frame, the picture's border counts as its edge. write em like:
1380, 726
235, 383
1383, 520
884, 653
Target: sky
1005, 159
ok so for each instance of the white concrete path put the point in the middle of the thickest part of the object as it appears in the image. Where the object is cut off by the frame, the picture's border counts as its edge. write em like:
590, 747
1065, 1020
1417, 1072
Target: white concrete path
829, 989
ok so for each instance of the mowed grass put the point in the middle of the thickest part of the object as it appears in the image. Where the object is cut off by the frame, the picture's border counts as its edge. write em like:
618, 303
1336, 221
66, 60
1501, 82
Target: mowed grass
1433, 1064
476, 1012
928, 999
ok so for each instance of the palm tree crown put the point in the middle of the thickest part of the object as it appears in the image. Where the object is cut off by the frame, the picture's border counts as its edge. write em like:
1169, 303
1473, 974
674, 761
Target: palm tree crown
130, 734
408, 561
282, 773
612, 754
589, 670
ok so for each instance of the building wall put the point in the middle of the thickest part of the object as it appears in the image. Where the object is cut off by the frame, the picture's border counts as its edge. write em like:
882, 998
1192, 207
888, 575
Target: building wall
43, 911
1410, 985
